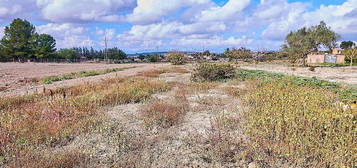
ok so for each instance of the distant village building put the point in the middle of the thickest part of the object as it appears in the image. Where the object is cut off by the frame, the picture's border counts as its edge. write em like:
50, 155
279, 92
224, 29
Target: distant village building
335, 57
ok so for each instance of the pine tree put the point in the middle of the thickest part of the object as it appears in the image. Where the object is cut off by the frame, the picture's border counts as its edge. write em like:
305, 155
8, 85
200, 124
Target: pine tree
17, 39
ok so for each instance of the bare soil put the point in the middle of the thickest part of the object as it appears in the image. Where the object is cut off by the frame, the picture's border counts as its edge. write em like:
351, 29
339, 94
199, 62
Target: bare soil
22, 78
346, 75
177, 146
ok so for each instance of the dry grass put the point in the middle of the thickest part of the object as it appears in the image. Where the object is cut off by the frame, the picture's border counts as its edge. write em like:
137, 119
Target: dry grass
234, 91
46, 159
54, 117
224, 144
156, 72
201, 87
166, 113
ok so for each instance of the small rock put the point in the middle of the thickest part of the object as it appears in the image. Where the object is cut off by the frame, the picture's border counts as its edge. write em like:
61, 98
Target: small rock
253, 165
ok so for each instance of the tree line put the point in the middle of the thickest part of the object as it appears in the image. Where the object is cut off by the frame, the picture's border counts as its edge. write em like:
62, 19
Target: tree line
21, 42
90, 53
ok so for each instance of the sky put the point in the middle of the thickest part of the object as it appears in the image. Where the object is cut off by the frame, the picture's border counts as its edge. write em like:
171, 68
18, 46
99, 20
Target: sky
186, 25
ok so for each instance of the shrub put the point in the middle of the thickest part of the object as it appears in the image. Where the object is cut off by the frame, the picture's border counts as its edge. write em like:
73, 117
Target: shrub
312, 68
176, 58
241, 53
153, 58
300, 124
212, 72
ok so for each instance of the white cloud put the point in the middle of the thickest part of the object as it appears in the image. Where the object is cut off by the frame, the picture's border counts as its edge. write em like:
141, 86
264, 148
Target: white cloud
295, 15
280, 17
153, 31
106, 34
10, 9
67, 35
84, 10
213, 41
171, 30
226, 12
342, 18
178, 23
150, 11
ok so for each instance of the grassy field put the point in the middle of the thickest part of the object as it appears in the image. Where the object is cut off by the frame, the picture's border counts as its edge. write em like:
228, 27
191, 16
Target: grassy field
242, 118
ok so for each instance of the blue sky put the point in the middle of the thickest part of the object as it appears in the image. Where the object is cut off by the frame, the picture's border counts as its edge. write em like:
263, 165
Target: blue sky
151, 25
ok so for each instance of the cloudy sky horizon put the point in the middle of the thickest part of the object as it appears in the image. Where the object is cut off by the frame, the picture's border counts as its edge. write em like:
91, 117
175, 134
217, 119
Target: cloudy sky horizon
190, 25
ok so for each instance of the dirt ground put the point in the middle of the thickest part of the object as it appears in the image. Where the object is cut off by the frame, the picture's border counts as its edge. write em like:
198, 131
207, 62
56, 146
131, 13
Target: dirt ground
20, 78
177, 146
335, 74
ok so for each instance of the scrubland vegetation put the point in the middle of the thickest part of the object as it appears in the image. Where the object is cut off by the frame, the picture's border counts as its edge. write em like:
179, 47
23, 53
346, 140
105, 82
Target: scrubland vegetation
301, 124
176, 58
225, 117
214, 115
56, 116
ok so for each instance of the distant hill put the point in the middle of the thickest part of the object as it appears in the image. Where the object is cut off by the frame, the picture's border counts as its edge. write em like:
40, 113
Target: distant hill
155, 53
147, 53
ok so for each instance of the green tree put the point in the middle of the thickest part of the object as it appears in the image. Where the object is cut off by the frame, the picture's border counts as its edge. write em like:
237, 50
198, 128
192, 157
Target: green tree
17, 39
69, 54
351, 54
206, 53
2, 54
347, 44
115, 53
44, 46
306, 40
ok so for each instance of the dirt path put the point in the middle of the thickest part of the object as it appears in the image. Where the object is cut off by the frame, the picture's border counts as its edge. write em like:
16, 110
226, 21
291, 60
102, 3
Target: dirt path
16, 78
337, 74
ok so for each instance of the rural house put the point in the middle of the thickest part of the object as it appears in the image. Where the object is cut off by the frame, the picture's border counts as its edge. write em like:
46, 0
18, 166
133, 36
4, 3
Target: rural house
335, 57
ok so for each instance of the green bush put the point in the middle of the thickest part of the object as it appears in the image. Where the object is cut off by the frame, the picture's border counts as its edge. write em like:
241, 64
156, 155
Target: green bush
176, 58
212, 72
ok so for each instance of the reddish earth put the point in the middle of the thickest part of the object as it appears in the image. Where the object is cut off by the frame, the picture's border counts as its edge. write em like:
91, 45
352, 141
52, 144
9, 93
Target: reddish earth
21, 78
